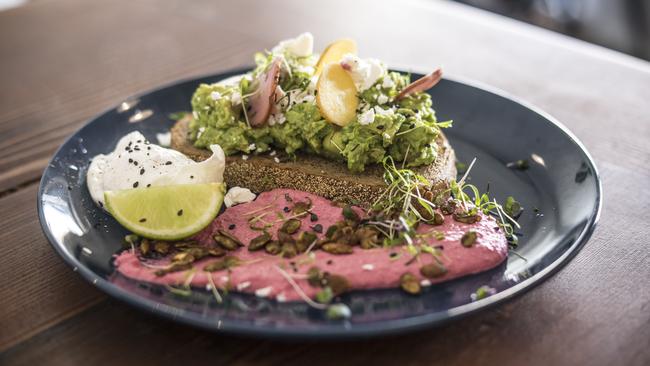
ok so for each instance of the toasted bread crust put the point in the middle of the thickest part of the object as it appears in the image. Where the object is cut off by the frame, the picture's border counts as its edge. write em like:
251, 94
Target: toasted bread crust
311, 173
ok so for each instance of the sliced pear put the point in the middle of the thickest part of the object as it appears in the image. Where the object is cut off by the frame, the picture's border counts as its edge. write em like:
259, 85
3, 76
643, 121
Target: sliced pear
335, 52
337, 95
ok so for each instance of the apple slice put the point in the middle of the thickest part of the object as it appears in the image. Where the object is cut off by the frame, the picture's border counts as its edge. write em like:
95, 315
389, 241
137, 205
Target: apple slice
337, 95
335, 52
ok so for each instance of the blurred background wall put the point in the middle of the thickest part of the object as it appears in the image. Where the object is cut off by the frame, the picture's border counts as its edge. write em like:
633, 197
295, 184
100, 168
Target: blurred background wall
623, 25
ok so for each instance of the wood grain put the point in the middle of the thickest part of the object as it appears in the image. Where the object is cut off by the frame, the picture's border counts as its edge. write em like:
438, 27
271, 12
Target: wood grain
37, 289
64, 61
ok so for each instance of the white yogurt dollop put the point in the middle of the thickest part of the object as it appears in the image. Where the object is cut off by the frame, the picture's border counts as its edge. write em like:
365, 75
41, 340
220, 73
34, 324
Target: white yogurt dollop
137, 163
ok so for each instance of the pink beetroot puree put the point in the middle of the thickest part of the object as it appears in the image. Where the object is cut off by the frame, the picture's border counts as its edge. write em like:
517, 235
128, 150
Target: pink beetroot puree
364, 269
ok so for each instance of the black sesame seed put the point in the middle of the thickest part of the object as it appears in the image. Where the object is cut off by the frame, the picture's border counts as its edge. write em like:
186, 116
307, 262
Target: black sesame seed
139, 141
148, 185
135, 185
130, 160
393, 255
285, 209
329, 261
180, 212
191, 177
100, 203
141, 171
168, 163
137, 148
231, 227
143, 219
148, 147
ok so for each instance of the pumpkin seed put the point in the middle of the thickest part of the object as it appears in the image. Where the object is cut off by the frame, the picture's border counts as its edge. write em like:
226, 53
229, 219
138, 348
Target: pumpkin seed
216, 252
467, 217
291, 226
285, 238
468, 239
410, 284
433, 270
350, 214
224, 263
337, 248
301, 207
174, 267
305, 239
197, 252
161, 247
313, 217
331, 231
289, 250
272, 247
231, 237
317, 228
183, 257
438, 219
145, 245
259, 242
226, 242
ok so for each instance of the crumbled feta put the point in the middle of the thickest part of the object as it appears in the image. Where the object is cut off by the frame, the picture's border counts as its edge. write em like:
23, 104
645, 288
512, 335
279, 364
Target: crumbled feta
195, 115
264, 291
235, 98
243, 285
272, 153
276, 159
367, 117
164, 139
425, 283
280, 118
364, 72
271, 120
382, 99
252, 146
368, 267
244, 157
301, 46
215, 95
384, 112
237, 195
388, 82
281, 297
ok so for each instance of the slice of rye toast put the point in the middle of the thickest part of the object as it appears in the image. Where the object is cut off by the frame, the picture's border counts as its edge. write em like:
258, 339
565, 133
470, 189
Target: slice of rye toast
311, 173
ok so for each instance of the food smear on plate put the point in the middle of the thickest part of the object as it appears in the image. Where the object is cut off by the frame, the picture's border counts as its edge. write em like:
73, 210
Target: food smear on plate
324, 249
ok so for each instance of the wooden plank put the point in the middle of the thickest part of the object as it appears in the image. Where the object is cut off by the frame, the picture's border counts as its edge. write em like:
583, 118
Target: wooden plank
54, 87
37, 289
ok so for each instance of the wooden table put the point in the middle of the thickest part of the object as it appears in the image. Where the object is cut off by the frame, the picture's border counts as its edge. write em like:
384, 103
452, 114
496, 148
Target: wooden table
64, 61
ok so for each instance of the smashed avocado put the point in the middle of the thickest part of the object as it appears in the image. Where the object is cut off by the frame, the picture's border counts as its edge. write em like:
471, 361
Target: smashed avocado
405, 130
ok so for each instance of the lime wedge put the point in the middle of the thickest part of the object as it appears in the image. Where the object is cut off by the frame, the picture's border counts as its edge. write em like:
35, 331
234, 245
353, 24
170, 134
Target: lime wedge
166, 212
